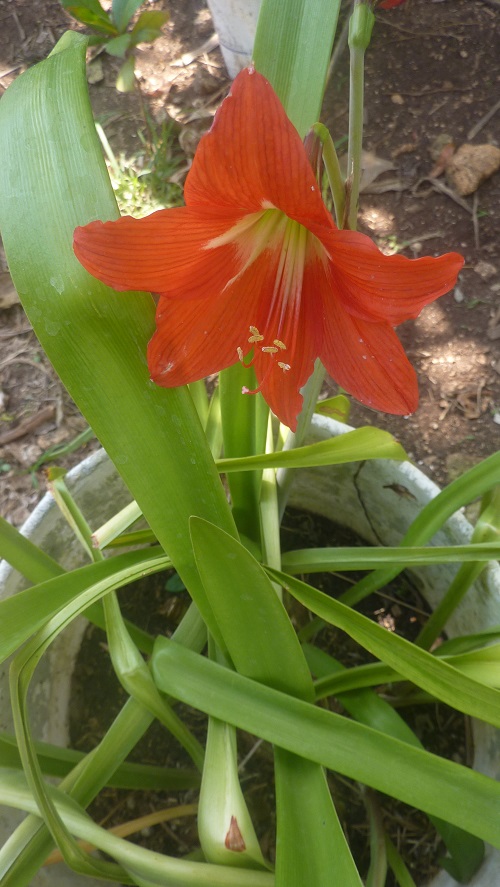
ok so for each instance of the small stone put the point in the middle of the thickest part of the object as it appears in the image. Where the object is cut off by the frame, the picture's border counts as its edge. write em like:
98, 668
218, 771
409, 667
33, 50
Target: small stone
458, 294
471, 165
397, 99
95, 72
485, 270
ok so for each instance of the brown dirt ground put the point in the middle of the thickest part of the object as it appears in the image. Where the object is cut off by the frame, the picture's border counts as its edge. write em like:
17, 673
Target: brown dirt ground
433, 71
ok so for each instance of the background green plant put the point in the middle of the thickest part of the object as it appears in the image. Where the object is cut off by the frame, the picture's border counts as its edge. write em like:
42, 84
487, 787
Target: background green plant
117, 31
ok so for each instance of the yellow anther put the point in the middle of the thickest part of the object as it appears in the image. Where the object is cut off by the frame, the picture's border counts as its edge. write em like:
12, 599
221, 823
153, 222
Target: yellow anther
284, 366
270, 349
280, 344
240, 353
256, 336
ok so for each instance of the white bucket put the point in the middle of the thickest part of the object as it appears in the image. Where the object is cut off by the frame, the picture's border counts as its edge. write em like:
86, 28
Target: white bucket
235, 22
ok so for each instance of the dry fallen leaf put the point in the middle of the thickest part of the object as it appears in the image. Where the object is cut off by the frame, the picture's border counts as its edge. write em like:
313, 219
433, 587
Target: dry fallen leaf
471, 165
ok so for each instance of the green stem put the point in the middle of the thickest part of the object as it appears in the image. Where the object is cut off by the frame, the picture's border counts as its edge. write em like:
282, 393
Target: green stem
377, 872
332, 167
295, 439
360, 28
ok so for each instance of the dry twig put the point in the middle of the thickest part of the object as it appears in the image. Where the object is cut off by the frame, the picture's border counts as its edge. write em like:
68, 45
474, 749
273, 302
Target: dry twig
28, 425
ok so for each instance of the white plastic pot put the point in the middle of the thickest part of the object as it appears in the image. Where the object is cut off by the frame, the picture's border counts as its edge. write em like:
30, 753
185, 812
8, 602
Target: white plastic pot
235, 22
377, 500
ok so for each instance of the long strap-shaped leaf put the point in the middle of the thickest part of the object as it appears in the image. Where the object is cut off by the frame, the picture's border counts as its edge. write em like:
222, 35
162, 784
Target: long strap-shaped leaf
263, 645
53, 179
292, 49
448, 790
146, 866
429, 672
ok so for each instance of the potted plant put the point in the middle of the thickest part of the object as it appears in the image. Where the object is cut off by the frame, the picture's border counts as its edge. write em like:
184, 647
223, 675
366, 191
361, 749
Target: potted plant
281, 285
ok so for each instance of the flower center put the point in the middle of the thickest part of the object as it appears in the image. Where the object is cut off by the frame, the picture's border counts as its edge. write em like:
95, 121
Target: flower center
290, 245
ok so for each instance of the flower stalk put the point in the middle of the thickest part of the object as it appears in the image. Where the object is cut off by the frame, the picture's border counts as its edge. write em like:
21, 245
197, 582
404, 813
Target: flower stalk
332, 167
360, 30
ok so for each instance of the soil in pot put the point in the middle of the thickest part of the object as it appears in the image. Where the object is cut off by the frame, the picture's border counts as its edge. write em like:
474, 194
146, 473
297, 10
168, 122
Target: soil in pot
97, 697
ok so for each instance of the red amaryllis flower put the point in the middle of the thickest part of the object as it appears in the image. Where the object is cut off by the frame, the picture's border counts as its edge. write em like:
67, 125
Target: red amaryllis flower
254, 268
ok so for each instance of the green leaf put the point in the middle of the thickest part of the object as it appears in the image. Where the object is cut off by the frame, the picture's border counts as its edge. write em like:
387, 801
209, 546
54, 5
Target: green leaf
118, 46
473, 483
125, 81
31, 841
135, 677
91, 13
57, 761
160, 869
487, 529
310, 823
256, 630
25, 557
244, 424
337, 407
456, 794
148, 26
416, 665
262, 643
369, 708
397, 865
90, 5
321, 560
354, 446
53, 179
25, 612
292, 49
123, 11
152, 18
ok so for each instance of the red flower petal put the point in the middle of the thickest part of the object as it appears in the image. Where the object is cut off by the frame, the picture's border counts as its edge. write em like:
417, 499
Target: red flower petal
162, 253
302, 331
196, 338
389, 4
253, 157
199, 337
368, 360
386, 288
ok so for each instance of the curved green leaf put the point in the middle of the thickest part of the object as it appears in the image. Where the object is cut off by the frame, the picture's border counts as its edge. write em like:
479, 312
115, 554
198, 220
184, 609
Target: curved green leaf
426, 671
438, 786
262, 643
53, 179
473, 483
354, 446
322, 560
27, 611
164, 871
